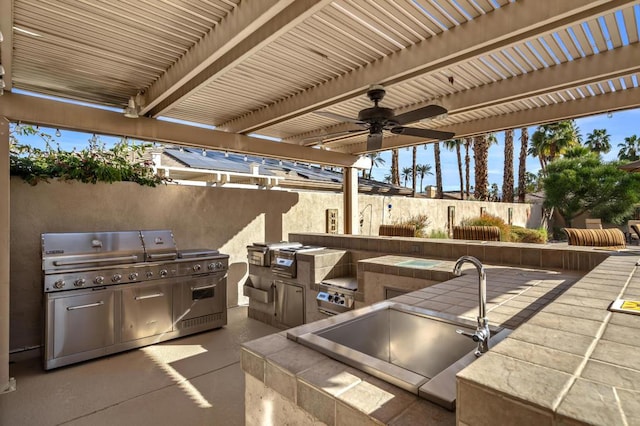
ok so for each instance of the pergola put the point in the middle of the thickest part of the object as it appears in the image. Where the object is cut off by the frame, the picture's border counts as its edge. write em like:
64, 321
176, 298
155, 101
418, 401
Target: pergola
266, 67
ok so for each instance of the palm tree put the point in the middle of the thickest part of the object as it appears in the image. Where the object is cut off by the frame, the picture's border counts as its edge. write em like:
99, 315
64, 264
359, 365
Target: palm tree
480, 151
451, 145
423, 169
387, 179
406, 174
522, 166
467, 162
578, 151
395, 171
376, 160
413, 169
599, 141
629, 149
507, 178
481, 156
549, 141
436, 155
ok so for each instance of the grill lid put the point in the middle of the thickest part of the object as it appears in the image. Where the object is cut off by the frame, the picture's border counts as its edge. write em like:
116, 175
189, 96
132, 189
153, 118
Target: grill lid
65, 251
159, 245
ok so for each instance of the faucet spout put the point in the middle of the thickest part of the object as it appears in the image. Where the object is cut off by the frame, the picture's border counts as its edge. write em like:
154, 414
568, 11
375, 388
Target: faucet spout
482, 333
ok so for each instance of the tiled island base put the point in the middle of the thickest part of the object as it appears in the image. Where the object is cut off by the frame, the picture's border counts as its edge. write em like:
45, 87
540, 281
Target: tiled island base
286, 383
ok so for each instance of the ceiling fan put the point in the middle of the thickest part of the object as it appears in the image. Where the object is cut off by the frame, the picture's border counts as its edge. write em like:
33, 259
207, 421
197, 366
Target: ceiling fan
377, 118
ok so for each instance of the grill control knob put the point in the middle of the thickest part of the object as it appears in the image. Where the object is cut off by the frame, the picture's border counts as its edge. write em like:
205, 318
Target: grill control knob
79, 282
59, 284
196, 267
163, 273
99, 279
212, 266
133, 276
116, 278
149, 274
220, 265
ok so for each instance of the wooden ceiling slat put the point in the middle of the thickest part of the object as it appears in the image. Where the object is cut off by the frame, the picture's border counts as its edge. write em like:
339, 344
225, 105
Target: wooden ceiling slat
630, 24
612, 29
597, 35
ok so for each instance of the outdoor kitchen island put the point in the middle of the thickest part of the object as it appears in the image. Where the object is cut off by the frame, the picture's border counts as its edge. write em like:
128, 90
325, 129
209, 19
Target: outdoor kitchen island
569, 359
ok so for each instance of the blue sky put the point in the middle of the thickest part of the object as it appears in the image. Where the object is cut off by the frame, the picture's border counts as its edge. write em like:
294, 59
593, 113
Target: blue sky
620, 125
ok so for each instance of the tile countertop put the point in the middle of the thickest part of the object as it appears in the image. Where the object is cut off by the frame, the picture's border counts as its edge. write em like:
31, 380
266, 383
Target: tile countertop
568, 359
574, 362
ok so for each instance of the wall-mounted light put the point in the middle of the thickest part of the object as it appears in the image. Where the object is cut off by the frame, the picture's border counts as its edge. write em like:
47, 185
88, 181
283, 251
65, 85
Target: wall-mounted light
280, 163
58, 134
263, 161
131, 111
609, 114
226, 154
245, 157
204, 152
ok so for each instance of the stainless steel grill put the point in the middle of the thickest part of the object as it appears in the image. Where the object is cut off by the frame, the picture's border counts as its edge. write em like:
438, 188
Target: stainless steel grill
111, 291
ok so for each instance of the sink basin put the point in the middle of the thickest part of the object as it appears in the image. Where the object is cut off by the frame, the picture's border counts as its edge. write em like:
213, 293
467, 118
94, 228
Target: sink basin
415, 349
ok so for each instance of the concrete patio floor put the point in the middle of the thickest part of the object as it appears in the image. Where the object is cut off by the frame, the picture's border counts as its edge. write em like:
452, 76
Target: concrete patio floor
195, 380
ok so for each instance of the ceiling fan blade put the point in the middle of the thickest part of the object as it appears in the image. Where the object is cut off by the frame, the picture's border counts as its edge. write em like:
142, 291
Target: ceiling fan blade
420, 114
422, 133
374, 141
338, 117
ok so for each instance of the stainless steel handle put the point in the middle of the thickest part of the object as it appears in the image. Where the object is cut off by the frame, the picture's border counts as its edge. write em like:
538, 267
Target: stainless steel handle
84, 262
90, 305
204, 287
161, 256
149, 296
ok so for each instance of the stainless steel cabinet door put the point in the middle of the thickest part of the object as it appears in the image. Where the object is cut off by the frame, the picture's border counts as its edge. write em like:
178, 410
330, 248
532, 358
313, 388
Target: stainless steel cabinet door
82, 322
146, 311
289, 303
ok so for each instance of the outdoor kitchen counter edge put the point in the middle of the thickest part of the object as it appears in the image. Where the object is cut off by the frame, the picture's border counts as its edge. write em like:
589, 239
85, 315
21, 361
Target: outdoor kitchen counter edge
571, 360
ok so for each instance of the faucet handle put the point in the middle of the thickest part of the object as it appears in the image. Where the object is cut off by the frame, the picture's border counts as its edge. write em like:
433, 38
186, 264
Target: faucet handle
473, 336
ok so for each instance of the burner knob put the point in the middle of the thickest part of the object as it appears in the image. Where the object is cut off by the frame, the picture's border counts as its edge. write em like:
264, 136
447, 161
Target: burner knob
163, 273
99, 279
196, 267
116, 278
212, 266
79, 282
220, 265
133, 276
59, 284
149, 274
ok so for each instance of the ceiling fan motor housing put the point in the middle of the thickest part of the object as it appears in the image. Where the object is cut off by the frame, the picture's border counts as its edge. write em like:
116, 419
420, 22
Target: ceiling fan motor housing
376, 115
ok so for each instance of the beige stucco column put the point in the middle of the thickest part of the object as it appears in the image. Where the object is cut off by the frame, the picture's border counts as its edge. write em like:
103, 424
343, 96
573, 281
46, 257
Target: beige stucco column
6, 384
350, 195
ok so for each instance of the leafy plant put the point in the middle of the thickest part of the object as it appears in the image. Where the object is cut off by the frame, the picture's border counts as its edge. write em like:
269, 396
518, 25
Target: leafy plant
491, 220
420, 221
438, 233
123, 162
526, 235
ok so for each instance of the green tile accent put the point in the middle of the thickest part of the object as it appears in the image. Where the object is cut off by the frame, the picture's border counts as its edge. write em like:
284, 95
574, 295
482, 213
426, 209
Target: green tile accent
419, 263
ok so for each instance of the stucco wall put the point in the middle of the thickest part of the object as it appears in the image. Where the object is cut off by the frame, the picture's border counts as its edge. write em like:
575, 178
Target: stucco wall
223, 218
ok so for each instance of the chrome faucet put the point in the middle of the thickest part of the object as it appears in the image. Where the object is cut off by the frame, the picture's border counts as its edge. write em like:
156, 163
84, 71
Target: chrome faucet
482, 333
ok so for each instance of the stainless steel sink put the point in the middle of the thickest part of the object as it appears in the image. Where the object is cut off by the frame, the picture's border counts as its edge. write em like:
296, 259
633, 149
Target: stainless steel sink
415, 349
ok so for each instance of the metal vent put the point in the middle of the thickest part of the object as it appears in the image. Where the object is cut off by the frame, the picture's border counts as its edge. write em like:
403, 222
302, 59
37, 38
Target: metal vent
206, 319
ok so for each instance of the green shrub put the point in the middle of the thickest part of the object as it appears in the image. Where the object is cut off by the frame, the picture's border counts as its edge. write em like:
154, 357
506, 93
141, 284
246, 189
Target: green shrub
123, 162
525, 235
438, 233
490, 220
420, 221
